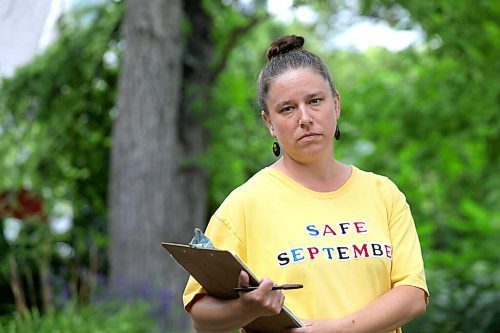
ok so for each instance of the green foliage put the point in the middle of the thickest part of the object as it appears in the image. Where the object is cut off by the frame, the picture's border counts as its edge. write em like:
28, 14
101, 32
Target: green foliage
461, 305
56, 115
97, 318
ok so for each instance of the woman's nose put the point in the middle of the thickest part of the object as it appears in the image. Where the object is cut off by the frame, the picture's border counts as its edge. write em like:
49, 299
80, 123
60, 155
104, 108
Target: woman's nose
305, 116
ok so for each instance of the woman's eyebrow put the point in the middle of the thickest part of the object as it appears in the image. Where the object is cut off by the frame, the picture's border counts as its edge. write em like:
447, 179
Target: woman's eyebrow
314, 94
282, 103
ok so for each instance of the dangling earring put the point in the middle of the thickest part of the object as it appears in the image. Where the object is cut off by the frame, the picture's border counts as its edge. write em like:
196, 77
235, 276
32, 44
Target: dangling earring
276, 149
337, 133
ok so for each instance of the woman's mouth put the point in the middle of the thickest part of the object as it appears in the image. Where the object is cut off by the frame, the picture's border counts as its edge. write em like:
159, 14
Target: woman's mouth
308, 137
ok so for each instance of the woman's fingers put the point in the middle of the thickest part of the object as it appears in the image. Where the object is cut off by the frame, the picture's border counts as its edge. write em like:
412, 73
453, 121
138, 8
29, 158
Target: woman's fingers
263, 300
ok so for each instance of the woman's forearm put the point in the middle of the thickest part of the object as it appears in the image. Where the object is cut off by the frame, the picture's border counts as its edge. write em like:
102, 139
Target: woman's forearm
386, 313
212, 315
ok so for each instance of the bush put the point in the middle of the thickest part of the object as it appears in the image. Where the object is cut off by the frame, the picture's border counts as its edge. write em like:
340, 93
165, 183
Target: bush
461, 306
96, 318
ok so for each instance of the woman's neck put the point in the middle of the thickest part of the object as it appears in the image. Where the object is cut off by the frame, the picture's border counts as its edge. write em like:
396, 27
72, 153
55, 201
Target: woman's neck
327, 175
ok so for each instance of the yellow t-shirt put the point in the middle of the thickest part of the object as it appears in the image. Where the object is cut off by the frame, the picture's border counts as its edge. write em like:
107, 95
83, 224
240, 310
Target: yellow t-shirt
347, 247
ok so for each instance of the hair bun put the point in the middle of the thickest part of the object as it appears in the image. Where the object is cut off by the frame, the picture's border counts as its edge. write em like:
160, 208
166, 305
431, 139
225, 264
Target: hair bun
284, 45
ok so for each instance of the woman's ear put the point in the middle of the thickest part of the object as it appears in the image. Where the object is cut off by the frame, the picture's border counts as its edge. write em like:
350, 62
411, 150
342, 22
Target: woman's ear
336, 100
267, 120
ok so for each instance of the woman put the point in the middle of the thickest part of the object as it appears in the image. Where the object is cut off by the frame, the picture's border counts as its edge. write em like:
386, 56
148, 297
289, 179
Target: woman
345, 234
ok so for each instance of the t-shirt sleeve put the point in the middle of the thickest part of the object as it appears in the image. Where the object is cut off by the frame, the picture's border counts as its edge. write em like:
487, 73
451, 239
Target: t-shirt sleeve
192, 293
224, 235
407, 261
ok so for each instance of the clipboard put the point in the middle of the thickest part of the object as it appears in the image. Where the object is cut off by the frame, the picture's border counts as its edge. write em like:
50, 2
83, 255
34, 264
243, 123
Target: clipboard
217, 271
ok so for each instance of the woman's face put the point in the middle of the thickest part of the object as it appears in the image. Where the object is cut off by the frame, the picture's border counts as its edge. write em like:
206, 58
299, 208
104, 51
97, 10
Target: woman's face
302, 114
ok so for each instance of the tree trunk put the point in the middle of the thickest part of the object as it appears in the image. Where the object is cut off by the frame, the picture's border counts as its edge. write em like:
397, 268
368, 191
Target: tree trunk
151, 200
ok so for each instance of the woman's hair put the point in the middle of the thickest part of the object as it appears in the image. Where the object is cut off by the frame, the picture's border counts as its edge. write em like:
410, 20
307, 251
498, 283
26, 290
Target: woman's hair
284, 54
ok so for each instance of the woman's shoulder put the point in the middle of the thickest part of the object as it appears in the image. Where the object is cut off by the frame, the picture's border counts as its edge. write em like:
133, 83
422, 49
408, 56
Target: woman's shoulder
252, 186
370, 178
382, 187
369, 175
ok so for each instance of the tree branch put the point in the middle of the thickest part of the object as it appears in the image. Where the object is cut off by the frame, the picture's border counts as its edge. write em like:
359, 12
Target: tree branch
234, 36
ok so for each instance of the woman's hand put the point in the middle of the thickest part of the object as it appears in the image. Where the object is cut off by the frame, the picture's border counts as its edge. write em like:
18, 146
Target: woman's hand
263, 301
212, 314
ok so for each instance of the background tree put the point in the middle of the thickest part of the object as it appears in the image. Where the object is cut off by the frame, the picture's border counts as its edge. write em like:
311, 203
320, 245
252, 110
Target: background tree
158, 184
144, 199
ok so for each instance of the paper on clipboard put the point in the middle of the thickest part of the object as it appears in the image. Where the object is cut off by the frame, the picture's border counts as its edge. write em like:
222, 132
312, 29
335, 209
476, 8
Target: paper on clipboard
217, 271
